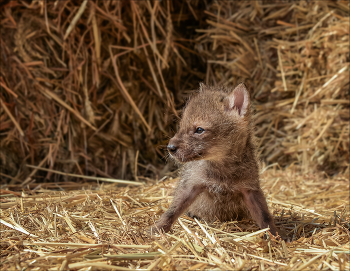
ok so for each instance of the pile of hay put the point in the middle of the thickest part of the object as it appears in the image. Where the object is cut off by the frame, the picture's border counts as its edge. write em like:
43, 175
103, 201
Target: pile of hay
96, 88
89, 87
103, 228
296, 57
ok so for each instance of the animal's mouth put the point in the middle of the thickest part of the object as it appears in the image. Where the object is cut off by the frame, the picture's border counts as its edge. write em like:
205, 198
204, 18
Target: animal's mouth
183, 158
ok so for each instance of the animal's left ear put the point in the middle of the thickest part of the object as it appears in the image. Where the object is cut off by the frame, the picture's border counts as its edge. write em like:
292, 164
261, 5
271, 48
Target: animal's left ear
238, 100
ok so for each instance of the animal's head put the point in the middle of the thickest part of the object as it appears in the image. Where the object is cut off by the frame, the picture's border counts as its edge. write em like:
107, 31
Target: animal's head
215, 124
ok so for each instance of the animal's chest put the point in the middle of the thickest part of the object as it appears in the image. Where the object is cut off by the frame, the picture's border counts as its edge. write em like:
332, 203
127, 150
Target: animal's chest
220, 187
230, 184
223, 194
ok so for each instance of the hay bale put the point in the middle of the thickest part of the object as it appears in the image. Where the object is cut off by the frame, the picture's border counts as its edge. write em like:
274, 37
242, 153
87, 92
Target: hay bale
95, 89
296, 57
89, 88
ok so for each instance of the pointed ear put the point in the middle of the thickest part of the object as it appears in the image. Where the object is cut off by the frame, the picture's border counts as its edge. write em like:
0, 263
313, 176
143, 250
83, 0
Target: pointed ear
238, 99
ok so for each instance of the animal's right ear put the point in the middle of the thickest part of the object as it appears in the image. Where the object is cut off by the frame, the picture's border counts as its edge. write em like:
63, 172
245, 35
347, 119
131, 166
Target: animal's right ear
238, 100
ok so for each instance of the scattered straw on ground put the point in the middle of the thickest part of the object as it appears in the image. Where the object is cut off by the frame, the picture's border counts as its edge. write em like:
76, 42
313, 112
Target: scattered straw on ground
103, 227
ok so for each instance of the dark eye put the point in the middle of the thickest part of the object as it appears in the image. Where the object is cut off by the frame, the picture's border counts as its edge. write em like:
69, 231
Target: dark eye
199, 130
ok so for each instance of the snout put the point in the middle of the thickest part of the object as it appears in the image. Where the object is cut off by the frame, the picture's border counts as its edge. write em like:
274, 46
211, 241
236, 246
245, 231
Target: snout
171, 148
180, 150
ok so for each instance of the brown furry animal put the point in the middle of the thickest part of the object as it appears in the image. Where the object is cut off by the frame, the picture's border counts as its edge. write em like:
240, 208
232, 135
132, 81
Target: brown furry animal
220, 175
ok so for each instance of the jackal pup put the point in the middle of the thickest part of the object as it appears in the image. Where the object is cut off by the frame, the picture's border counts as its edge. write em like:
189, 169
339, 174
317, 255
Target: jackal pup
220, 173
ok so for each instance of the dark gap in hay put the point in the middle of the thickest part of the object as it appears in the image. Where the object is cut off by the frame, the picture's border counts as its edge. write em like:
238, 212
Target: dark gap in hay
111, 150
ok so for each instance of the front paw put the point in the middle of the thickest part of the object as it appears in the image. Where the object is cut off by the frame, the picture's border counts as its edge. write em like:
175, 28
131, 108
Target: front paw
273, 231
284, 236
158, 229
278, 235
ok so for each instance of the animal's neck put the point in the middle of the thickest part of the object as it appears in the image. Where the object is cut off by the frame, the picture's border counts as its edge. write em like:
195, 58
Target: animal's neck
235, 163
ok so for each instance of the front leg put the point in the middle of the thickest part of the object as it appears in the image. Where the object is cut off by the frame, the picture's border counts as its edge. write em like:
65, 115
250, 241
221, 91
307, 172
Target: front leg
185, 195
256, 203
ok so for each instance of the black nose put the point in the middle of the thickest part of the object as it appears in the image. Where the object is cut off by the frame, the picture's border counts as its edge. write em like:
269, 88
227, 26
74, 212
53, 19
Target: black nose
171, 148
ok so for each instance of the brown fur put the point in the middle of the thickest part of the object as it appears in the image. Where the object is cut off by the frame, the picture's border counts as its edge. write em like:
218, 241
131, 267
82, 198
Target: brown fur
220, 175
